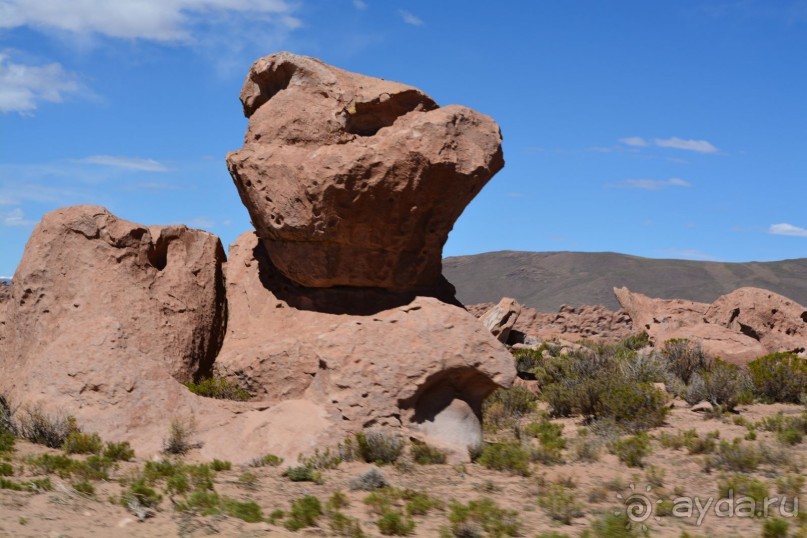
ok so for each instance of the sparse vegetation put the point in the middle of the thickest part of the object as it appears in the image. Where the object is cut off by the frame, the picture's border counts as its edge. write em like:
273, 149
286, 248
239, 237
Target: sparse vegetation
509, 457
483, 514
376, 446
219, 388
425, 454
39, 427
779, 377
180, 436
632, 450
305, 512
559, 503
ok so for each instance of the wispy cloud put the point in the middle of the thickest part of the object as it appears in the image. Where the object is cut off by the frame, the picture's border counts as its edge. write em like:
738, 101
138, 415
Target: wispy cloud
410, 18
651, 184
157, 20
158, 186
205, 223
698, 146
14, 218
787, 229
128, 163
359, 4
23, 87
635, 141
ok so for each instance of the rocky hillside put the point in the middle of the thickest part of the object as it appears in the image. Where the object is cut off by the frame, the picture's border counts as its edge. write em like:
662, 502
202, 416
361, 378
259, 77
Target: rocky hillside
547, 280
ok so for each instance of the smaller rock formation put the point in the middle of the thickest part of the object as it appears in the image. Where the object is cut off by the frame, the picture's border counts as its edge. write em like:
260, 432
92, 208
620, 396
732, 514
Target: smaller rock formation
739, 326
500, 319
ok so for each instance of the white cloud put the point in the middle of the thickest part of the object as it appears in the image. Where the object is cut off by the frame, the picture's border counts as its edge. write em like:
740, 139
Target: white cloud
359, 4
202, 222
159, 20
14, 218
787, 229
651, 184
129, 163
23, 87
635, 141
698, 146
409, 18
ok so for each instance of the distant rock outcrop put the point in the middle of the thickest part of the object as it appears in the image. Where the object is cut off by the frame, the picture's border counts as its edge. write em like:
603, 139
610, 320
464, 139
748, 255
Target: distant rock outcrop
334, 316
356, 181
739, 326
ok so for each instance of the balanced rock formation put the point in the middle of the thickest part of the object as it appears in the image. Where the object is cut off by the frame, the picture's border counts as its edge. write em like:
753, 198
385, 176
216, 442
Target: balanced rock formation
739, 326
334, 316
356, 181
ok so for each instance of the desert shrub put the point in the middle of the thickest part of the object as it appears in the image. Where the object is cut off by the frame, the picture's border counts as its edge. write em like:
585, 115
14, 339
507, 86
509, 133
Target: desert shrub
139, 494
180, 434
305, 512
560, 504
790, 485
735, 456
585, 447
302, 474
635, 342
550, 440
7, 441
636, 407
655, 476
6, 469
700, 445
342, 525
269, 460
376, 446
775, 528
5, 483
739, 485
205, 502
632, 450
52, 464
85, 488
248, 511
321, 461
425, 454
485, 514
510, 457
393, 523
372, 479
41, 428
337, 501
94, 467
779, 377
248, 480
722, 384
7, 422
83, 443
788, 430
684, 358
119, 451
611, 526
219, 388
505, 406
419, 503
219, 465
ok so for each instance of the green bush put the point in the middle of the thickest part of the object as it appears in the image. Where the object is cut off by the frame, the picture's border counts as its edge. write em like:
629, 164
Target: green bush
305, 512
376, 446
139, 494
41, 428
119, 451
180, 432
425, 454
611, 526
6, 441
219, 465
218, 388
269, 460
505, 406
85, 488
774, 528
6, 469
392, 523
779, 377
510, 457
342, 525
739, 485
722, 384
684, 358
248, 511
302, 474
735, 456
632, 450
550, 440
560, 504
637, 407
83, 443
485, 513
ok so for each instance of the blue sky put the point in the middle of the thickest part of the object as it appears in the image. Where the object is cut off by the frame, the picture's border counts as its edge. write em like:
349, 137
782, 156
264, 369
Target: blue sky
669, 129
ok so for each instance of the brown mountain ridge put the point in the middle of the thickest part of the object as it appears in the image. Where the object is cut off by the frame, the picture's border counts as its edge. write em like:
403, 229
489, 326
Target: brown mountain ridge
547, 280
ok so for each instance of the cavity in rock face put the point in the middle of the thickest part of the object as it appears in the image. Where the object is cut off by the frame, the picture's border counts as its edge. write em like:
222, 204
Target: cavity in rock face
356, 181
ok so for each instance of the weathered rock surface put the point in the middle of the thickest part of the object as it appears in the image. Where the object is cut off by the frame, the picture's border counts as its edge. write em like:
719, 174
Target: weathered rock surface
592, 322
5, 295
106, 318
352, 180
371, 357
739, 326
501, 318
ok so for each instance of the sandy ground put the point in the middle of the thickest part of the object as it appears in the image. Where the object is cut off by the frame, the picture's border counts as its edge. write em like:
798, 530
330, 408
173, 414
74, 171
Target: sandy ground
600, 488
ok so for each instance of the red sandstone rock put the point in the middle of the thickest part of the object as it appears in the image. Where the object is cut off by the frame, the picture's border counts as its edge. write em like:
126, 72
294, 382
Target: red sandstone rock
352, 180
500, 319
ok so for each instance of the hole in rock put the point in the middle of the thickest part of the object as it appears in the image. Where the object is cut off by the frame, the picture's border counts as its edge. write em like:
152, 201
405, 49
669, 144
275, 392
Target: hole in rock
158, 254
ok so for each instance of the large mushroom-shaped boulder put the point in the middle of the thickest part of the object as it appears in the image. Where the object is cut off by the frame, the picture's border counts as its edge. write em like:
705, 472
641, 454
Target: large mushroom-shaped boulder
356, 181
